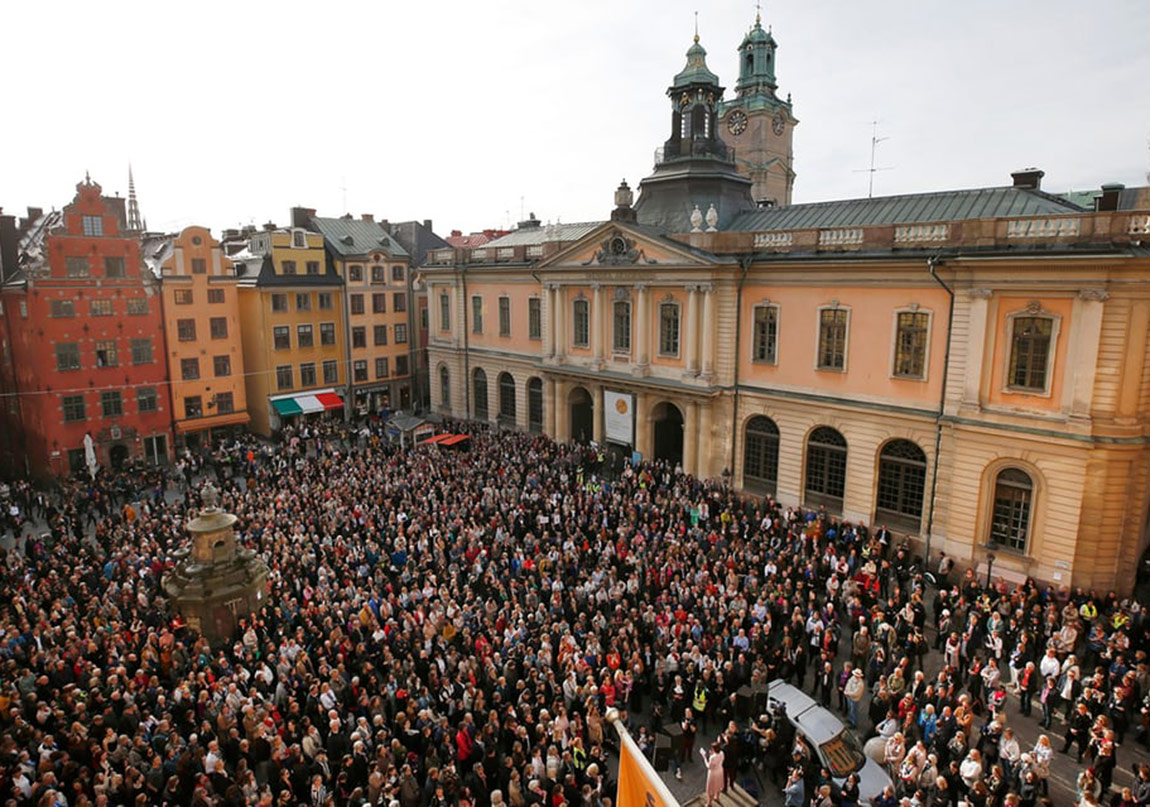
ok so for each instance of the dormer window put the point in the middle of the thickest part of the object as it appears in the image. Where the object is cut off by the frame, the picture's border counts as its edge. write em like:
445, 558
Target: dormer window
299, 239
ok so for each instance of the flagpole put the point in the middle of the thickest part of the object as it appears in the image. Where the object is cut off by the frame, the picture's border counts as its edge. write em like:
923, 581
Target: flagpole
625, 737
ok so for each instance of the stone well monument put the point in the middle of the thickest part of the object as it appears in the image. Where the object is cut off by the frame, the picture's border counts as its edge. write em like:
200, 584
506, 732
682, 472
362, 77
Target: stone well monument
215, 583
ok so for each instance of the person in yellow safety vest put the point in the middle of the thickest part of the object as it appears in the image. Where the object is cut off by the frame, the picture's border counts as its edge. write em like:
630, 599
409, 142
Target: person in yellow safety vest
1088, 611
699, 703
1120, 620
579, 754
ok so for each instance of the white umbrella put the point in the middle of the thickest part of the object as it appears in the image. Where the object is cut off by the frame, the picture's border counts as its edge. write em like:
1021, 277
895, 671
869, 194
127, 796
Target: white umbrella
90, 455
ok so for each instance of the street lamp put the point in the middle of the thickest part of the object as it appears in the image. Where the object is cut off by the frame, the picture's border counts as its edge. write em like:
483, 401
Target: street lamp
989, 566
726, 478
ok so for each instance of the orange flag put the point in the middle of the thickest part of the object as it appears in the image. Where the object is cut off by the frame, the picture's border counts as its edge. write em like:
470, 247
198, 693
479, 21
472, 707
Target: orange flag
639, 782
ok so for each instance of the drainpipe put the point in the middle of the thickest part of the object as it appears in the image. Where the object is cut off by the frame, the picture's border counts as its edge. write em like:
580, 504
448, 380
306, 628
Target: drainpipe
466, 346
745, 263
931, 266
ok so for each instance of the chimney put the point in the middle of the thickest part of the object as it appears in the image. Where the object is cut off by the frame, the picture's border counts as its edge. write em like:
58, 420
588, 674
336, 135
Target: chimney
1108, 201
301, 216
9, 245
427, 225
270, 226
386, 225
529, 223
367, 217
456, 233
1028, 179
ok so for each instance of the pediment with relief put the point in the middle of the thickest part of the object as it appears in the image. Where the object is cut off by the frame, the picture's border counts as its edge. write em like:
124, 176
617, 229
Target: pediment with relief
618, 247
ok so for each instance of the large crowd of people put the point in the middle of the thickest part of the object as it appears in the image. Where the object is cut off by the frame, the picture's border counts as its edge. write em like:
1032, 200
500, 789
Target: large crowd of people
449, 628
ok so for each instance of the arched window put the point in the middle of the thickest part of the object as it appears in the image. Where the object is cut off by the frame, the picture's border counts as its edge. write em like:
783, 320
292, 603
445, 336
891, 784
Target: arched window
506, 399
901, 482
761, 455
1010, 521
444, 388
535, 405
826, 468
479, 391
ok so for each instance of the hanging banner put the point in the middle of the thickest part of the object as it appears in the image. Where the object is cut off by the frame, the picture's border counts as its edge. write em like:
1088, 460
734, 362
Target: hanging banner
619, 417
639, 784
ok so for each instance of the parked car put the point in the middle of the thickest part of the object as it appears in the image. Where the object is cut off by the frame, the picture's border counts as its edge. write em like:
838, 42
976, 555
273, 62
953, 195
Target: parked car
835, 745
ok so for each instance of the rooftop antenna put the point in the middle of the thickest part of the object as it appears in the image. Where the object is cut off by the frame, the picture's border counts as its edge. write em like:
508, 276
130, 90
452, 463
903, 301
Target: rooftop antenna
874, 141
696, 26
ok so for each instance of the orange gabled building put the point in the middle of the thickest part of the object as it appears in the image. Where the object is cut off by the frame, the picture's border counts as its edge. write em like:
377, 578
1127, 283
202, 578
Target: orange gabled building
202, 325
86, 338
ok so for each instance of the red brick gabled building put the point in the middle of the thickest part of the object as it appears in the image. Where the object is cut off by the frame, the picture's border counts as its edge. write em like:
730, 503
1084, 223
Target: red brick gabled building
85, 331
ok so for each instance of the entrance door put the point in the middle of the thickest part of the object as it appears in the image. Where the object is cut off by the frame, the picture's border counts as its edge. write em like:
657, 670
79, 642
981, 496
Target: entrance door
118, 456
668, 425
582, 415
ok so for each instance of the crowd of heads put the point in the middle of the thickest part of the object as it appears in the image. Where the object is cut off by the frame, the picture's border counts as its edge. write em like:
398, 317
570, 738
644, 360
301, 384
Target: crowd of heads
450, 628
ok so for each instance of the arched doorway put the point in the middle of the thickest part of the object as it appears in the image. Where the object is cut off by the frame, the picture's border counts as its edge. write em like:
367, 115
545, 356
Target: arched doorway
901, 485
118, 455
582, 415
535, 405
667, 422
507, 400
479, 392
761, 456
826, 469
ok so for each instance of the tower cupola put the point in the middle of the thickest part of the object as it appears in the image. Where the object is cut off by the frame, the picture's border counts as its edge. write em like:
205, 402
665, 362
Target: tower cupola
695, 94
757, 61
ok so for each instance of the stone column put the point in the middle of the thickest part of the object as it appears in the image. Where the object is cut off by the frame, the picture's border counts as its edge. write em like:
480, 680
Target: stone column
642, 425
704, 442
549, 408
1085, 336
691, 337
641, 352
548, 314
976, 345
708, 340
560, 323
597, 325
691, 436
599, 416
562, 412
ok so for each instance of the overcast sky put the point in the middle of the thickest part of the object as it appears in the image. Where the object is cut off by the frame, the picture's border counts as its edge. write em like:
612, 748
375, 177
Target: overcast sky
469, 113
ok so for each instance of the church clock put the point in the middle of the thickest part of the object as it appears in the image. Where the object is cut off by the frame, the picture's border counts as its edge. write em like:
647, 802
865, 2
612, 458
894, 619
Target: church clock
736, 121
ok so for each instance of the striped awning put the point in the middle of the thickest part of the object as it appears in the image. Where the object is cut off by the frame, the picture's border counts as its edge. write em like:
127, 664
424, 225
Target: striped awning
307, 402
287, 407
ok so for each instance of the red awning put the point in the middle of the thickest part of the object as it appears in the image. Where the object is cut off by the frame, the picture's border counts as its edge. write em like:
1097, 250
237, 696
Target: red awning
435, 438
330, 400
454, 439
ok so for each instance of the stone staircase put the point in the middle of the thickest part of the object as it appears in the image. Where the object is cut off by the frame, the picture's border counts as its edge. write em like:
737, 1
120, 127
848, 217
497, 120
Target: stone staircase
734, 797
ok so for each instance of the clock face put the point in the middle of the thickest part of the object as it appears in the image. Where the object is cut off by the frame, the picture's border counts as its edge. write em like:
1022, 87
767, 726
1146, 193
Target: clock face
778, 123
737, 122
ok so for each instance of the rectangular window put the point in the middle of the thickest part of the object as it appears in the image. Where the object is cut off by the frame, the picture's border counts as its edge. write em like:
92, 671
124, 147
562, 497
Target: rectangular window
380, 333
190, 369
114, 267
137, 306
225, 403
199, 266
146, 400
74, 408
222, 366
63, 308
534, 318
67, 356
142, 351
401, 365
304, 336
399, 301
357, 303
284, 376
359, 368
106, 355
400, 334
359, 337
193, 406
379, 303
669, 329
330, 372
355, 273
581, 324
505, 316
281, 337
100, 308
182, 296
93, 226
288, 267
622, 329
832, 339
910, 344
279, 302
1030, 353
397, 271
381, 368
444, 312
76, 266
299, 239
215, 295
765, 340
307, 374
477, 314
325, 301
327, 333
377, 275
303, 302
186, 330
111, 403
219, 327
313, 267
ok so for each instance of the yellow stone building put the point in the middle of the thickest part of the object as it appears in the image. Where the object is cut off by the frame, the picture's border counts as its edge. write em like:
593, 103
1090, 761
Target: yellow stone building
202, 327
971, 368
294, 329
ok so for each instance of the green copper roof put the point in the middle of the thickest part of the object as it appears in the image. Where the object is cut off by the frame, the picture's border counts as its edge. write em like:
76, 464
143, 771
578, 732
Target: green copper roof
348, 237
757, 35
696, 71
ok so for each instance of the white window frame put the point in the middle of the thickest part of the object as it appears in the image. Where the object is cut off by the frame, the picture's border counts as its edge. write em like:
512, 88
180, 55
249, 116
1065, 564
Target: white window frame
1026, 312
778, 330
298, 238
834, 306
911, 309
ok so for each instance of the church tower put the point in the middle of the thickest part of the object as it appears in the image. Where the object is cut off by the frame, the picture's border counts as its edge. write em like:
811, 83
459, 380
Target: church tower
758, 125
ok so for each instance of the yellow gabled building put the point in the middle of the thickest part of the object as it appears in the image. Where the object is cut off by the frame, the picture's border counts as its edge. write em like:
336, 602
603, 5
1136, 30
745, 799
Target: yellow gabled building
294, 329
